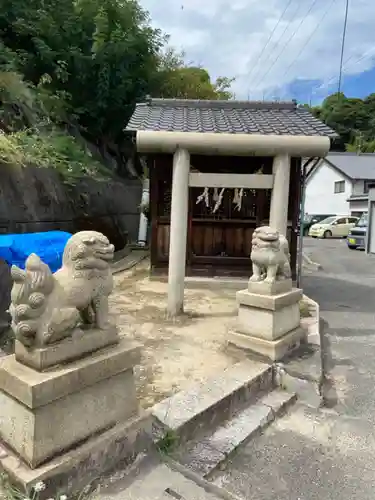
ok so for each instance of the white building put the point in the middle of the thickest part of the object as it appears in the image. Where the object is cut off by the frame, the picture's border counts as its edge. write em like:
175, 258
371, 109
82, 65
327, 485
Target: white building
339, 184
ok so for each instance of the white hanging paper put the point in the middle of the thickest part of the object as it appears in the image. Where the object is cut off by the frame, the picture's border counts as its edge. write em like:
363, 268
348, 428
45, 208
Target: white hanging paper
219, 201
238, 197
204, 197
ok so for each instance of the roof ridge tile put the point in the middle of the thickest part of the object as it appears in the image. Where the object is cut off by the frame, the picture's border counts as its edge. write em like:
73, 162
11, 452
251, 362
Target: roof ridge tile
219, 104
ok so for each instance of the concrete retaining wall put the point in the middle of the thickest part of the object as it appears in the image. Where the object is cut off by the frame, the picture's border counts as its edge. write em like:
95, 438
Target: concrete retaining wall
36, 199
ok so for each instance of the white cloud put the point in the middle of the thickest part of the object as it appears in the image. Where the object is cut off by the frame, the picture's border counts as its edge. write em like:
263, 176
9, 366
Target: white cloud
227, 37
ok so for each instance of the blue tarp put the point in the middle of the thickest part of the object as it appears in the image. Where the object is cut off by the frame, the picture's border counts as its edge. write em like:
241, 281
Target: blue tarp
49, 246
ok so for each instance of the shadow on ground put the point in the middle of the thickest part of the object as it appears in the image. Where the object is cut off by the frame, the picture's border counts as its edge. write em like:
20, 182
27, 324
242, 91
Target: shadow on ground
303, 456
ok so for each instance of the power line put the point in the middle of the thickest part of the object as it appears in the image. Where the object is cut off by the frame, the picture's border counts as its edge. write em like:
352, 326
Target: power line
282, 15
288, 41
309, 38
269, 38
367, 53
343, 45
256, 79
346, 66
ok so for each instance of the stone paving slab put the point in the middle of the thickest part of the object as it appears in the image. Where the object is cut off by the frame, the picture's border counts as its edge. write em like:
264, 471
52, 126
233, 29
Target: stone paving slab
157, 483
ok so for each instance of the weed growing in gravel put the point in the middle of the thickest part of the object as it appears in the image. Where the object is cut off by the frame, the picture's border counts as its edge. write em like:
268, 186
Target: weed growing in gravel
9, 492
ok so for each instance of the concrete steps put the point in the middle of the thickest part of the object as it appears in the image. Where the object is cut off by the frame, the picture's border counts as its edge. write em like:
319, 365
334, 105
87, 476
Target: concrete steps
205, 405
206, 455
204, 425
196, 431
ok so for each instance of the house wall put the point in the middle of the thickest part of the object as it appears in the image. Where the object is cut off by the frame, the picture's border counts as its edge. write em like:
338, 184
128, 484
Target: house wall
320, 196
358, 206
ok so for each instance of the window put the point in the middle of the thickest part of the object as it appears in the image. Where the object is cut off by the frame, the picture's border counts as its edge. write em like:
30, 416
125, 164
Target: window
328, 220
339, 187
366, 185
363, 220
353, 220
341, 221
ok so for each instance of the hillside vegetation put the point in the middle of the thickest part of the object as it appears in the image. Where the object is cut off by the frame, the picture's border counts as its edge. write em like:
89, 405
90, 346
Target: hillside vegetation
71, 72
77, 68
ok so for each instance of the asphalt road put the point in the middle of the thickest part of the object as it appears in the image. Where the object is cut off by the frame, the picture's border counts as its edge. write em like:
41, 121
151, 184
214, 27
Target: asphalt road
337, 259
324, 453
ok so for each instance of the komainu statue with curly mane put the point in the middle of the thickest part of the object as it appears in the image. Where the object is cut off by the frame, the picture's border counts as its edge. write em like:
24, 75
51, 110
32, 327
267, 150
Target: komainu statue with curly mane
269, 256
47, 307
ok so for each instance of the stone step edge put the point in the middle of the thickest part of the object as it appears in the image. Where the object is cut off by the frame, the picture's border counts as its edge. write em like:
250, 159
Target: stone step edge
208, 486
207, 404
129, 260
205, 456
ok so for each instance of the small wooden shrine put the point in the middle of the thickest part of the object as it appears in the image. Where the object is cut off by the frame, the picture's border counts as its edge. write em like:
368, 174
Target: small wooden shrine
218, 169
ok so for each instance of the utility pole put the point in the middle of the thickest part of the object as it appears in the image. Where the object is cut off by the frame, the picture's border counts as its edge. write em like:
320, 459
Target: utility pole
359, 143
343, 46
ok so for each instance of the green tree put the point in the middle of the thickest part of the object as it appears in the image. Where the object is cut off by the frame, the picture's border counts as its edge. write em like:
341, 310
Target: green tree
352, 118
175, 79
123, 59
359, 145
99, 56
84, 64
345, 115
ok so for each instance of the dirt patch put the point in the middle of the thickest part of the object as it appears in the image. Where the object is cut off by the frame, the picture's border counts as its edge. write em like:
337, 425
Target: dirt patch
175, 353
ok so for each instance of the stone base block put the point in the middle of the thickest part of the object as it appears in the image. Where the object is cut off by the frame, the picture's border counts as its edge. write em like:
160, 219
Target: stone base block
265, 288
73, 471
272, 350
81, 343
46, 413
268, 317
269, 302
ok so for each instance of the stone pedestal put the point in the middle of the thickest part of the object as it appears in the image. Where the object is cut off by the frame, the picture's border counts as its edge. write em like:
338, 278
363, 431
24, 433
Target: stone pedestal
268, 320
73, 421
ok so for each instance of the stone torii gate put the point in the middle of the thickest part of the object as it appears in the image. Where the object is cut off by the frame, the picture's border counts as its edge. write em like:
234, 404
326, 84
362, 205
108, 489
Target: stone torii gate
183, 144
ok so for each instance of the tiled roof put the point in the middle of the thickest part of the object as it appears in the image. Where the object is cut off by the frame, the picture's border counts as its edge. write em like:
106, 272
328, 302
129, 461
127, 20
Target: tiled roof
233, 117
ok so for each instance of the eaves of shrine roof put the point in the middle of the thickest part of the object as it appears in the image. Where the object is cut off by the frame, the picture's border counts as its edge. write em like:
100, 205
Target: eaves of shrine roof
229, 117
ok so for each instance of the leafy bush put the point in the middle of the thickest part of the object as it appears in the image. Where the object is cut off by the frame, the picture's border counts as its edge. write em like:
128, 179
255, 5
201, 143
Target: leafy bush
10, 151
53, 149
28, 136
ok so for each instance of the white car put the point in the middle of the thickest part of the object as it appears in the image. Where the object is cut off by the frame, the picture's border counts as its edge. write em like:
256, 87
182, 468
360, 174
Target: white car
333, 227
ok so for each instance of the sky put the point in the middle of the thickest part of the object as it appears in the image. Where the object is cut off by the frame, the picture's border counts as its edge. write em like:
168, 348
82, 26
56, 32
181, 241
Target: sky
300, 60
